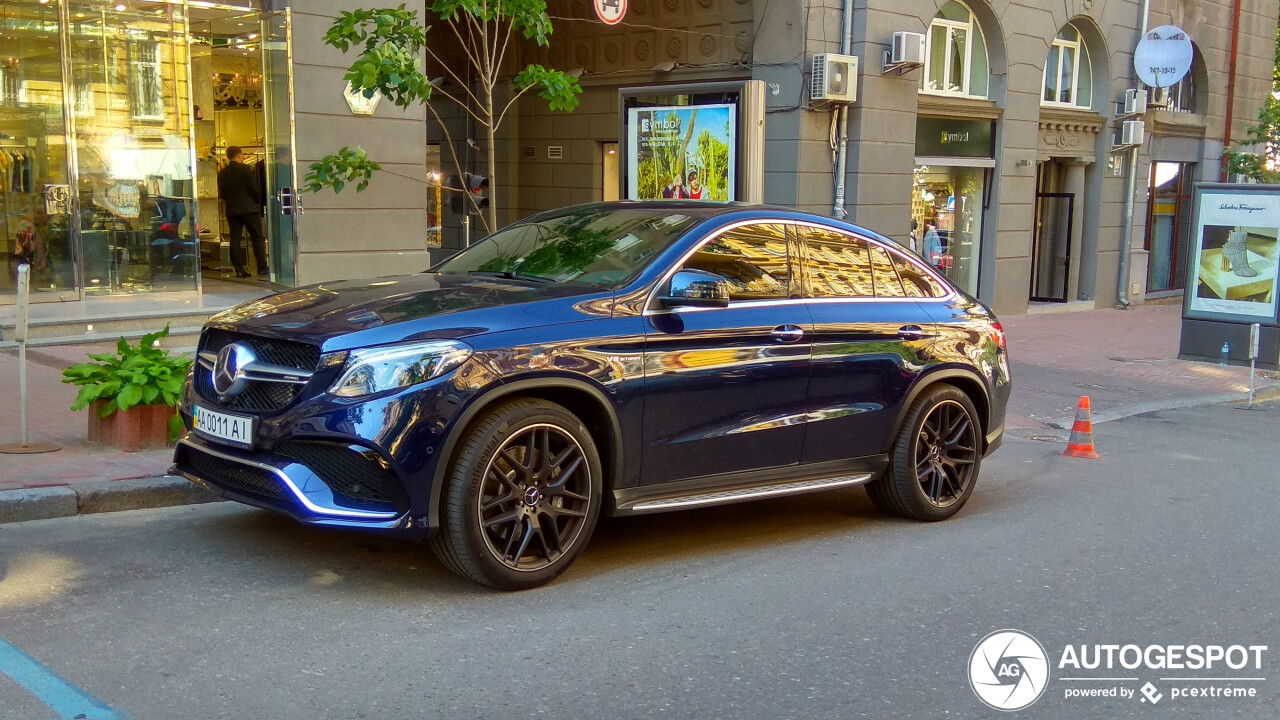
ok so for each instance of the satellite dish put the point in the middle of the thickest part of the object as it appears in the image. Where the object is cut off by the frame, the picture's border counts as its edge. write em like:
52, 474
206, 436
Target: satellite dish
1163, 56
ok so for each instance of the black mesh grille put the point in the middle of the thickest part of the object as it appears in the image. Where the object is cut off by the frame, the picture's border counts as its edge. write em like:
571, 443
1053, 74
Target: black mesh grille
259, 396
357, 477
269, 350
231, 475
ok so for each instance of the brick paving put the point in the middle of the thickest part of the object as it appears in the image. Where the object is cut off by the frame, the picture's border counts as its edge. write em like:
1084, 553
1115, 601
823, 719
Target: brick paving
50, 419
1119, 358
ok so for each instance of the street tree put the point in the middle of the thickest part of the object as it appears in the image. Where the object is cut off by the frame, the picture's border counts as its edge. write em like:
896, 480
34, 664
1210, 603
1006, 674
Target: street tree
389, 42
1264, 166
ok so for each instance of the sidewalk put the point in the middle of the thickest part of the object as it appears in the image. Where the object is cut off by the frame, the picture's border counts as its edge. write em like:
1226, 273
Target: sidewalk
50, 419
1125, 361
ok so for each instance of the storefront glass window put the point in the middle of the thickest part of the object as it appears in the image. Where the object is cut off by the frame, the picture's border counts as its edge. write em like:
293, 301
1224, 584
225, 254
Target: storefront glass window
947, 204
34, 195
132, 130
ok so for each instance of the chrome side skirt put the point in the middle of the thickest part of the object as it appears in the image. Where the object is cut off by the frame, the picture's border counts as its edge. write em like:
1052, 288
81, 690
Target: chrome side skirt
740, 494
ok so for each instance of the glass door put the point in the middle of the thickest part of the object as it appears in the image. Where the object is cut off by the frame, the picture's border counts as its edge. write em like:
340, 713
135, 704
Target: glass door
1051, 251
1168, 225
278, 140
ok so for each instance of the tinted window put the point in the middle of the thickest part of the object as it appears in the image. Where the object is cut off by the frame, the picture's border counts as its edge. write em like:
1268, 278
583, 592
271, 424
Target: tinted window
588, 245
838, 264
915, 280
753, 258
887, 284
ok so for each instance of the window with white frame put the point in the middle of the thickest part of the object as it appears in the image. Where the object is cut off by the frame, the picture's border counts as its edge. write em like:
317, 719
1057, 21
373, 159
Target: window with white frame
955, 61
1068, 77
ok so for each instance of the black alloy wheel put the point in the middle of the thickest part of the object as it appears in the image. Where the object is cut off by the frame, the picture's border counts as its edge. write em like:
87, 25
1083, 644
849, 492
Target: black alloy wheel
945, 453
935, 459
534, 497
523, 495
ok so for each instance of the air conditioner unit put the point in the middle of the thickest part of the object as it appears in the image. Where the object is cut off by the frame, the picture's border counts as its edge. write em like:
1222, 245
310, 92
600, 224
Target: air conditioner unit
1132, 132
908, 49
835, 78
1135, 102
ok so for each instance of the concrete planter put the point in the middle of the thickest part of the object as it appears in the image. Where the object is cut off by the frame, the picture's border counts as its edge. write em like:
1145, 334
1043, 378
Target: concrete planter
142, 427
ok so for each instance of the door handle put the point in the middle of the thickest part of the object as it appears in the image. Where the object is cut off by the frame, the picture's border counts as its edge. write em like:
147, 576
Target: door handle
911, 332
787, 333
284, 196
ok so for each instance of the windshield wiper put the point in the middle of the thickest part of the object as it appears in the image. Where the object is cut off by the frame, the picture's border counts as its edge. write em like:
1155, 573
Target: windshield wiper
508, 275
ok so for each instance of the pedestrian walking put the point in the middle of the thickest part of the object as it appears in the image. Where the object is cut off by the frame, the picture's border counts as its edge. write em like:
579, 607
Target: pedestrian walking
241, 196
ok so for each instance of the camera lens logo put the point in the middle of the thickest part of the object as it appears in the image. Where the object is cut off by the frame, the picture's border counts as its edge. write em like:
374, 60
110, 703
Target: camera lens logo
1008, 670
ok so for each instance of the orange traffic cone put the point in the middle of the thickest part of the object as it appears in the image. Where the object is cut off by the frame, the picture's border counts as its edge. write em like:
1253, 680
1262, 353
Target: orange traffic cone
1081, 443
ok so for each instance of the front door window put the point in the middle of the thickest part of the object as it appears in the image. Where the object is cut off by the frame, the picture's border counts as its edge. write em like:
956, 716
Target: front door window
725, 387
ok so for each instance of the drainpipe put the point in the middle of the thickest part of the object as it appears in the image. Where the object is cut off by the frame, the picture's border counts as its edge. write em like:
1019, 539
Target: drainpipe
1231, 84
846, 41
1131, 186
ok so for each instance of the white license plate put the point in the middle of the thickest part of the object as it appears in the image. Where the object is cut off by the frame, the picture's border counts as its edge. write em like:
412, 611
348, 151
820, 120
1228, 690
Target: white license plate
230, 429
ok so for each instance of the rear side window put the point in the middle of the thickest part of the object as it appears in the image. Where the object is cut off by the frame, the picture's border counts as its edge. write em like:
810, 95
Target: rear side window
915, 281
887, 284
839, 265
752, 258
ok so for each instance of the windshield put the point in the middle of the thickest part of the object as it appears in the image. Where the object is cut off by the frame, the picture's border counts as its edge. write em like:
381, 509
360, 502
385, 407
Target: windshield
592, 246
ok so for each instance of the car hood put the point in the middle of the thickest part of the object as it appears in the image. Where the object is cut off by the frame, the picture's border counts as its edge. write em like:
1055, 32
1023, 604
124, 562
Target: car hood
356, 313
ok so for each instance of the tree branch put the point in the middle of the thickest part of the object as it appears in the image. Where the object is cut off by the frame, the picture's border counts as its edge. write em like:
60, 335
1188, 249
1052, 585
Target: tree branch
511, 102
452, 74
465, 44
502, 56
461, 104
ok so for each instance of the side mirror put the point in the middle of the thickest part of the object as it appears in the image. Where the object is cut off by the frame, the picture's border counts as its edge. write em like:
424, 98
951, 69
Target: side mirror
696, 288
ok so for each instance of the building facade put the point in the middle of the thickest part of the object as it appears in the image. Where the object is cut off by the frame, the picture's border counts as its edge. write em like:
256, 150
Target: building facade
996, 159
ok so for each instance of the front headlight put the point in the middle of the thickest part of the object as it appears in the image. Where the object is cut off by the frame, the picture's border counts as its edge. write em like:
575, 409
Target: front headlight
387, 368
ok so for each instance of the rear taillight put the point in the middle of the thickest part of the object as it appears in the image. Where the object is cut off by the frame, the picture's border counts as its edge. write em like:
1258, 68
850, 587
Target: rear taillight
997, 334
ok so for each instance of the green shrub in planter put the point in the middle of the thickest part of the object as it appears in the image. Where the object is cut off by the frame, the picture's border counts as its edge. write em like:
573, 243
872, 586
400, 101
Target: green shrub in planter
132, 377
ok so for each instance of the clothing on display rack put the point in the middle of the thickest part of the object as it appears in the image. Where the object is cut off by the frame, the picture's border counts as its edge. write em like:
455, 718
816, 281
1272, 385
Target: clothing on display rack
17, 170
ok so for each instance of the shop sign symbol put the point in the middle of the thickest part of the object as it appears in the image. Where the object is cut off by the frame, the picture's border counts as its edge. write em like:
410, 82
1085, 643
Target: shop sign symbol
57, 199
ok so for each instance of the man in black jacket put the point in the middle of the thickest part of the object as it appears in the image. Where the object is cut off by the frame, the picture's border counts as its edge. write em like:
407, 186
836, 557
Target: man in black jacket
242, 203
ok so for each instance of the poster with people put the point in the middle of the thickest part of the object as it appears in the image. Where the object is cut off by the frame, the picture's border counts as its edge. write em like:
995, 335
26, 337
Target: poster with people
683, 152
1233, 271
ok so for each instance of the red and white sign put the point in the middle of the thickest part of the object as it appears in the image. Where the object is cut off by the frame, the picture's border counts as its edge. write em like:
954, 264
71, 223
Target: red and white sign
611, 11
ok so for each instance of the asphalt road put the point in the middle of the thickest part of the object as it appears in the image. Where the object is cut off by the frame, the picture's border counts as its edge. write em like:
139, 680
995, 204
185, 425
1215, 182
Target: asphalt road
810, 607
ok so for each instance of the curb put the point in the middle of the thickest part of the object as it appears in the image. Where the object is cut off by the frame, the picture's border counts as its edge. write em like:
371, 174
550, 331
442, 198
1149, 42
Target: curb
1266, 393
98, 497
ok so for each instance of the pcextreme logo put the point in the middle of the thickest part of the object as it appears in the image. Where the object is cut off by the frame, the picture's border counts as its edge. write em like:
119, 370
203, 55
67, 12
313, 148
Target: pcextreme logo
1009, 670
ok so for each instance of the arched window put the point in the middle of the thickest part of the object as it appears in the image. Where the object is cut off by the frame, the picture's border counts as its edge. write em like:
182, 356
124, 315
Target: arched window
1068, 75
955, 61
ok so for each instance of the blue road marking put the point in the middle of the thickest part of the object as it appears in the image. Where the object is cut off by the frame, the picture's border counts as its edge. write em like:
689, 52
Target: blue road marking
65, 699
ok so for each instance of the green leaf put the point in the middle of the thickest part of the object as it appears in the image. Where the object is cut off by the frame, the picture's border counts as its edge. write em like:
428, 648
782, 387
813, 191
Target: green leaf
129, 396
176, 427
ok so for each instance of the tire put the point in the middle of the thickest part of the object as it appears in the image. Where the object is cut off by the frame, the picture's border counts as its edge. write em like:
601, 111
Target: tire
522, 496
921, 483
